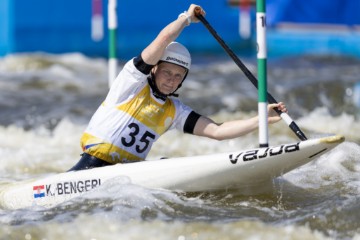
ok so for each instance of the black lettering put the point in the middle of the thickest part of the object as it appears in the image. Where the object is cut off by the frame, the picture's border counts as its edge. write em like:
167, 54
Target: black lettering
262, 153
131, 139
263, 21
234, 161
87, 185
60, 190
292, 147
177, 60
265, 153
135, 130
273, 151
48, 190
146, 140
80, 186
250, 155
66, 187
94, 183
73, 187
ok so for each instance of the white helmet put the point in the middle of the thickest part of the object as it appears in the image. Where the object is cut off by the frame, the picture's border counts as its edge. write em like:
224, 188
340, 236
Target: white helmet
177, 54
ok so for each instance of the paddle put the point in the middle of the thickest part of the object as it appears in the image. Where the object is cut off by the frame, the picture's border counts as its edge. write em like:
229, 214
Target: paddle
292, 125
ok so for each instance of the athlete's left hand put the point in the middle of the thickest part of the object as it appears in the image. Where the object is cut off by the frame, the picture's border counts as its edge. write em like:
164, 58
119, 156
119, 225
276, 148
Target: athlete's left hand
273, 117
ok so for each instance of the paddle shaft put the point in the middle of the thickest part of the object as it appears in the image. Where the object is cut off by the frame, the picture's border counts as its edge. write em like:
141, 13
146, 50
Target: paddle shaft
292, 125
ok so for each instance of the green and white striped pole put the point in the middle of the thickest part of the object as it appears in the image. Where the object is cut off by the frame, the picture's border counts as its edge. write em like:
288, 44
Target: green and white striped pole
291, 123
262, 72
112, 26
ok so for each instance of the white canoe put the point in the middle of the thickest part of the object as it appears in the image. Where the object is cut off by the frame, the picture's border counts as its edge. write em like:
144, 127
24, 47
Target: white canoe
190, 174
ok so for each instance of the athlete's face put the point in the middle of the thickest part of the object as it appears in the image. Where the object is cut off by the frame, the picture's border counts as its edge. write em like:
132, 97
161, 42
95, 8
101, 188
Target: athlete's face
168, 77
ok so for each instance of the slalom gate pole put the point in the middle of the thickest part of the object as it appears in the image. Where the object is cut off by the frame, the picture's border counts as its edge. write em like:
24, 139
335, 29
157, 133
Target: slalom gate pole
285, 117
244, 19
112, 26
262, 72
97, 21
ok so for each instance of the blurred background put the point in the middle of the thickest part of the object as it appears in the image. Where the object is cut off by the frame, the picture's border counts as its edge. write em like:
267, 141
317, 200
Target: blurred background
55, 59
294, 26
312, 48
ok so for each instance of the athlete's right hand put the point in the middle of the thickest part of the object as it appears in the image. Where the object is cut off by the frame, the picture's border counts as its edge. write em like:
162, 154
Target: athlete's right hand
191, 12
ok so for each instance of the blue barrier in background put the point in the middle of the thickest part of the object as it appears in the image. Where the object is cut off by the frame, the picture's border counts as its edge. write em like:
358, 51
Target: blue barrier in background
65, 26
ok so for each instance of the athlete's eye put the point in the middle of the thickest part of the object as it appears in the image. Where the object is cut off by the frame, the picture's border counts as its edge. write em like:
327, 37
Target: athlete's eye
174, 76
178, 77
167, 73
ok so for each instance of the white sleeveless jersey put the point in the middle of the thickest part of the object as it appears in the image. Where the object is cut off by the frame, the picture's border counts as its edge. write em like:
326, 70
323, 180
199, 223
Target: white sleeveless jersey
131, 119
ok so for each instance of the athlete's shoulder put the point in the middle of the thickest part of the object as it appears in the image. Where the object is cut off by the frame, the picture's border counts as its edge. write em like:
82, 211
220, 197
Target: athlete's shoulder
179, 105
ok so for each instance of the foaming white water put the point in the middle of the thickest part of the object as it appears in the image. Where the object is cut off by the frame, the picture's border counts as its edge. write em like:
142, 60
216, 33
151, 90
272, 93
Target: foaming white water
39, 150
101, 226
321, 121
20, 63
59, 71
58, 86
340, 166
